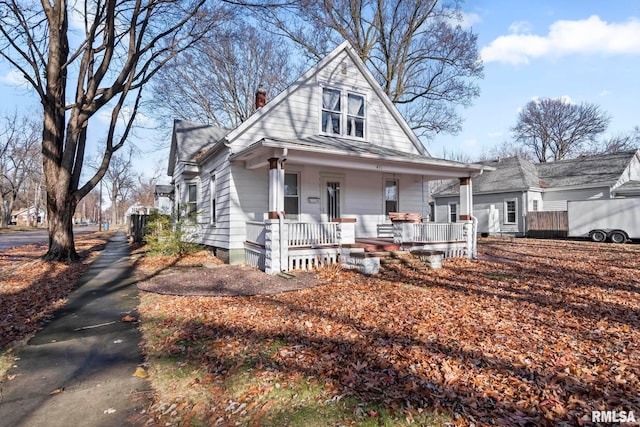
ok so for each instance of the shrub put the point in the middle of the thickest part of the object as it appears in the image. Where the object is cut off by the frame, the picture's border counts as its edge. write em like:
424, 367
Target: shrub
168, 235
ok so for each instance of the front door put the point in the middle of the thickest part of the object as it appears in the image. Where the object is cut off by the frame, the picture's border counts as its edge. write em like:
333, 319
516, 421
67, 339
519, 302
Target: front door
333, 197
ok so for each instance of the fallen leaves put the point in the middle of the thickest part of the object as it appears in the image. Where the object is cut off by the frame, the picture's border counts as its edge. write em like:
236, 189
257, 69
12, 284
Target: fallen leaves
535, 332
31, 289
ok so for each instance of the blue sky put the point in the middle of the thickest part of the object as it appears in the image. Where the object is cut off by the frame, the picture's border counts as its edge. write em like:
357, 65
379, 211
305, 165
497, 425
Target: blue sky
586, 50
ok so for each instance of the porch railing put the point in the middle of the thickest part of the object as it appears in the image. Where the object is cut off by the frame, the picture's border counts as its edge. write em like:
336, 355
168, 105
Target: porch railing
256, 232
303, 234
436, 232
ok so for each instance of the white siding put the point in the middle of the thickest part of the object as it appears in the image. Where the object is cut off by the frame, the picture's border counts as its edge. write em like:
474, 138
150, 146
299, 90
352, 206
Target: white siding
481, 205
363, 197
298, 114
557, 200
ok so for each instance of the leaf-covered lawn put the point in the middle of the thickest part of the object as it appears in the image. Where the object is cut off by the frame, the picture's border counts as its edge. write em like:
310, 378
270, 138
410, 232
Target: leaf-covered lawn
31, 289
535, 332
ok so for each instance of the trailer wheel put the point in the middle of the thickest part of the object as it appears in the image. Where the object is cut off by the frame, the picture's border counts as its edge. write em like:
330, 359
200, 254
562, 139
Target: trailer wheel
598, 236
618, 236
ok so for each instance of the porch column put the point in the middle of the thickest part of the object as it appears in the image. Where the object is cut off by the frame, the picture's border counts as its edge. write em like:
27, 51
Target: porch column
276, 187
466, 200
466, 215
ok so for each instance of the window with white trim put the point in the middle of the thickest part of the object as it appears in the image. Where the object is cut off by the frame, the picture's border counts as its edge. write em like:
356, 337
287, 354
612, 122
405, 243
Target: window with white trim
390, 196
212, 198
510, 211
453, 212
192, 201
343, 113
291, 195
535, 206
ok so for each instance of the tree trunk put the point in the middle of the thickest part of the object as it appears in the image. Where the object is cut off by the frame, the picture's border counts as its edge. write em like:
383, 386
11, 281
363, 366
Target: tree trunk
61, 244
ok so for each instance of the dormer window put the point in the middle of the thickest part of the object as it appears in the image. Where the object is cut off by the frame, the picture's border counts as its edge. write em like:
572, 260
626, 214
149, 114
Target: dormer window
340, 121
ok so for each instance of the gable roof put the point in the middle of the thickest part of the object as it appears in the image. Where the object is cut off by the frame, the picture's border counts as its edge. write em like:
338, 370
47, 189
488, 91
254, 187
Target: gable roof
191, 139
583, 170
517, 174
302, 80
510, 174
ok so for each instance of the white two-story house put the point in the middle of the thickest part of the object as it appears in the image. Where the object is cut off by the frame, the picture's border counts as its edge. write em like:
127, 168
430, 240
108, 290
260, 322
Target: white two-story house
317, 168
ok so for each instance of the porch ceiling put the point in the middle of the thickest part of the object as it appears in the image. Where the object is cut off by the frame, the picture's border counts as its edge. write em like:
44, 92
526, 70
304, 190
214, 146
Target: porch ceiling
355, 155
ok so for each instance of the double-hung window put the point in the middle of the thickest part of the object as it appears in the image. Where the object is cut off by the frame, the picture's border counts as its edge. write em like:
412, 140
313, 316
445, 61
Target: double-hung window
390, 196
291, 195
343, 113
192, 201
510, 208
453, 212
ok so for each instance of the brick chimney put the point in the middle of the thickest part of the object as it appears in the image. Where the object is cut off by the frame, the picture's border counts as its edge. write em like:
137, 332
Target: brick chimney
261, 97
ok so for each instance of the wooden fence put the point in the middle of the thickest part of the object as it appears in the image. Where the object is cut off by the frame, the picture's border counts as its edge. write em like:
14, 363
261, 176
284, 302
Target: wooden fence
547, 225
137, 227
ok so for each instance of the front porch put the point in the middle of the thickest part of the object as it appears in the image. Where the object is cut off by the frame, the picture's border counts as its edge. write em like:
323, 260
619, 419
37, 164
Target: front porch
281, 245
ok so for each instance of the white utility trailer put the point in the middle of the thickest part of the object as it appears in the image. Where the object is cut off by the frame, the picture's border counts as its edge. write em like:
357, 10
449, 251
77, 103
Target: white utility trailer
613, 220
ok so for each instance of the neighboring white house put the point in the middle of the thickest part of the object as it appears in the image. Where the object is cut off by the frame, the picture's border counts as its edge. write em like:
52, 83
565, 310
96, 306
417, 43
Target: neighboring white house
163, 199
31, 216
318, 166
504, 197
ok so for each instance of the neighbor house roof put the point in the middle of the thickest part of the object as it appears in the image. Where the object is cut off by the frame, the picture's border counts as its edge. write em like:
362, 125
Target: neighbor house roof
585, 170
191, 140
163, 190
517, 174
629, 188
510, 174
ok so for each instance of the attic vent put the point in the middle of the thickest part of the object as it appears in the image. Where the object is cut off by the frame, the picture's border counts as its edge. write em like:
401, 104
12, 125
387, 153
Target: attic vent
344, 68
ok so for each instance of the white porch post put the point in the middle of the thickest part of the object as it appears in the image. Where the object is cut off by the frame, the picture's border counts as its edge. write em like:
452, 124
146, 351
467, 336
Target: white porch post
274, 178
466, 200
276, 230
466, 215
346, 230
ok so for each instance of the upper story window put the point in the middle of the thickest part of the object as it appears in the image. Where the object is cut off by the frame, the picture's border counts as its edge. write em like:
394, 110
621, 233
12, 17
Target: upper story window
343, 113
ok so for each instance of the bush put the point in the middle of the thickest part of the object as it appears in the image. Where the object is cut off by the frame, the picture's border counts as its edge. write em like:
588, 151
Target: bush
167, 235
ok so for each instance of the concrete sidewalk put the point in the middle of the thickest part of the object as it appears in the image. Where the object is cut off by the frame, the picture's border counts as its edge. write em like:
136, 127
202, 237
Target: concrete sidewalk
77, 371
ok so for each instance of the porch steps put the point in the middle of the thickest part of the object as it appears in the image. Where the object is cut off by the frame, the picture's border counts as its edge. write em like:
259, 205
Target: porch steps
394, 257
375, 245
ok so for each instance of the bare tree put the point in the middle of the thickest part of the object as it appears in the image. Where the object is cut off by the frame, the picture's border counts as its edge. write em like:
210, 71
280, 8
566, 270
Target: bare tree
417, 50
507, 149
20, 162
555, 129
120, 181
619, 142
215, 83
86, 57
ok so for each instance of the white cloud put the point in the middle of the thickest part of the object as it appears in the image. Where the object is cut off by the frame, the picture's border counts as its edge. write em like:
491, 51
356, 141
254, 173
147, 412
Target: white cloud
605, 92
104, 115
469, 19
14, 78
520, 27
497, 134
587, 36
